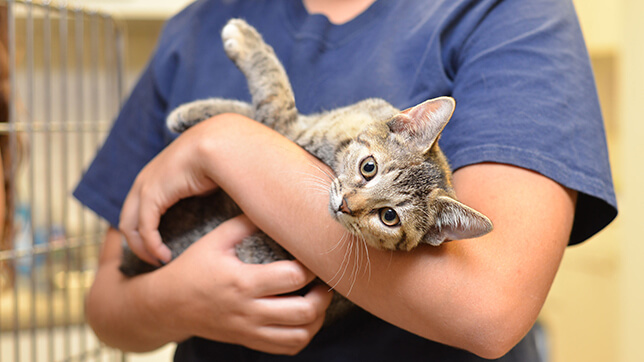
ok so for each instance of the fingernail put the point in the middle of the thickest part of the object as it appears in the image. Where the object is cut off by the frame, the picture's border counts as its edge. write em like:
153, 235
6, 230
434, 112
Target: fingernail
164, 254
163, 263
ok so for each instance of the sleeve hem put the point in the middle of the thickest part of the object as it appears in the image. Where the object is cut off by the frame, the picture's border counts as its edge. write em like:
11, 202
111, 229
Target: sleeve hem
98, 204
593, 192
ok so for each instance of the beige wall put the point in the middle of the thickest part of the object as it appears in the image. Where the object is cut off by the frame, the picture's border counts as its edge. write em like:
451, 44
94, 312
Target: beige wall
595, 311
631, 124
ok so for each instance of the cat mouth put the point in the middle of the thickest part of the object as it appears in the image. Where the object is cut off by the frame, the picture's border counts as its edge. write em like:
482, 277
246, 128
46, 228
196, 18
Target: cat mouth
340, 211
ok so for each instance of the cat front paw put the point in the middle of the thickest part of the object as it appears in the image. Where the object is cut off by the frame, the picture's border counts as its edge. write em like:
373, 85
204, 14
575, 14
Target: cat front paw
176, 121
187, 115
239, 39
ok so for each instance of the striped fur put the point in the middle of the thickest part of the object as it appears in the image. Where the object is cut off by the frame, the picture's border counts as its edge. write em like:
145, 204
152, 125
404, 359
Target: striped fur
393, 184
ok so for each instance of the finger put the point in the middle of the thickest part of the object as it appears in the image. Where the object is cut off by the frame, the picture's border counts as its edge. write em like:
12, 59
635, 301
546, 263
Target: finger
295, 310
277, 340
285, 339
280, 277
320, 296
231, 232
128, 222
148, 228
152, 203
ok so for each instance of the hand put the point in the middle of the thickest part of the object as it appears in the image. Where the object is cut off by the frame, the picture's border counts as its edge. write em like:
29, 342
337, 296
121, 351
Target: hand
226, 300
205, 292
175, 173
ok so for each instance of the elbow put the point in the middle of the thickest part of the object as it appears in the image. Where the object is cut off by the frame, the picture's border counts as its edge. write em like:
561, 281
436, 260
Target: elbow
106, 326
106, 332
493, 347
500, 336
95, 316
494, 331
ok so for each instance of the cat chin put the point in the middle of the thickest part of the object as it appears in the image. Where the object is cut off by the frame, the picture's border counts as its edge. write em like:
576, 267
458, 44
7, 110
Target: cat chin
344, 220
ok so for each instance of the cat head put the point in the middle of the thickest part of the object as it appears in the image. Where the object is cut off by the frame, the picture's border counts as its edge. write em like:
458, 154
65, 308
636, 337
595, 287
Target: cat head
393, 184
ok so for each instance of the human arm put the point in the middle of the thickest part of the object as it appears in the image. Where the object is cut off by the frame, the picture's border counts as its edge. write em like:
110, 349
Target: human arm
233, 303
480, 295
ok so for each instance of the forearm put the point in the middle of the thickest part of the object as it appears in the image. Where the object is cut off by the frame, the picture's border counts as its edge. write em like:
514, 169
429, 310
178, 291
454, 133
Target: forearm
121, 311
481, 295
207, 292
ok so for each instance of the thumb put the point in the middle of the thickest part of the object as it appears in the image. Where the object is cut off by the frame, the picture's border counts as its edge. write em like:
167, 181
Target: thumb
232, 232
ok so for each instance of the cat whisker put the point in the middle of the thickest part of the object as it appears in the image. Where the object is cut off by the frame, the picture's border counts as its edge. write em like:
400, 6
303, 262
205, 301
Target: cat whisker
342, 239
368, 264
318, 188
321, 193
320, 180
315, 183
338, 272
325, 172
355, 267
364, 255
358, 256
344, 266
310, 176
318, 191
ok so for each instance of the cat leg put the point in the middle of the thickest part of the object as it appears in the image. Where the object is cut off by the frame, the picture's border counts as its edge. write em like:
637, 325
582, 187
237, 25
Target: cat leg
189, 114
268, 83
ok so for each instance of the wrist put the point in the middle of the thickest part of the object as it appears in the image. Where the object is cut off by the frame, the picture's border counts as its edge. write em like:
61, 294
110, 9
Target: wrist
214, 143
162, 303
130, 313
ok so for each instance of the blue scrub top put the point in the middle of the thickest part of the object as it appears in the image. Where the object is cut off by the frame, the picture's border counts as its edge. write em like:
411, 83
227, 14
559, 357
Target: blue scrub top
518, 69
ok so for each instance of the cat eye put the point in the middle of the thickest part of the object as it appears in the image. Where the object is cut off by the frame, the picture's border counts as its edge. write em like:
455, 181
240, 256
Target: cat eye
368, 168
389, 217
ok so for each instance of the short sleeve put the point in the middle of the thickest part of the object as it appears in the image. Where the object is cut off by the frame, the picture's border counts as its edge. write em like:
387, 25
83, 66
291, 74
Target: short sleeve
136, 137
526, 96
139, 132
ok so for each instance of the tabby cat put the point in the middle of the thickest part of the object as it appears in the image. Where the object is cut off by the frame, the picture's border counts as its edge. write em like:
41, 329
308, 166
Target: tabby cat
393, 186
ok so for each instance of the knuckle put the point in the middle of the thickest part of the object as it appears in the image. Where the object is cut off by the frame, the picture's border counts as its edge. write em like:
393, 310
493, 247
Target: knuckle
126, 226
296, 278
308, 313
301, 339
147, 194
243, 286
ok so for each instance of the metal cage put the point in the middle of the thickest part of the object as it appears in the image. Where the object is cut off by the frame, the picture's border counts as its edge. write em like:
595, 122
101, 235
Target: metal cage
61, 85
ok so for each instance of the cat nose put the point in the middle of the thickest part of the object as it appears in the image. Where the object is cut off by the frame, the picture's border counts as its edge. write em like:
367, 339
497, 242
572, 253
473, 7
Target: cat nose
344, 207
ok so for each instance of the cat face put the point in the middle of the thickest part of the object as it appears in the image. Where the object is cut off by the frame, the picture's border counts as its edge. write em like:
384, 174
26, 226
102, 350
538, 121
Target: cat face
379, 192
393, 185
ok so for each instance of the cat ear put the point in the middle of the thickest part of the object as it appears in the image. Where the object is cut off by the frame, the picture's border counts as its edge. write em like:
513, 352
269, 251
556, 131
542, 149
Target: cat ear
423, 123
456, 221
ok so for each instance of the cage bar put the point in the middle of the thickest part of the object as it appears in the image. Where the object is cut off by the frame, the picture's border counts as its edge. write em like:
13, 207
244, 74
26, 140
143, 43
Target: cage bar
64, 70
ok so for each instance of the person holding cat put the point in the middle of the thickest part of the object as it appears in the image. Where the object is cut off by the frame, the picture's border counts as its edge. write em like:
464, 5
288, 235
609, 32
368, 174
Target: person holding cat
526, 142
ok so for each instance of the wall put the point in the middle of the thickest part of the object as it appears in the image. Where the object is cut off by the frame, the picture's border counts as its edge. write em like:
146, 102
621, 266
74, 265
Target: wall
594, 311
581, 313
632, 201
